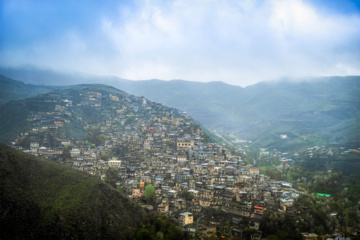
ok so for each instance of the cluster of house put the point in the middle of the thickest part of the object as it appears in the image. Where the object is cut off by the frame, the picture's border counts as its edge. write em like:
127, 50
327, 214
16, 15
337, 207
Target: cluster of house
149, 143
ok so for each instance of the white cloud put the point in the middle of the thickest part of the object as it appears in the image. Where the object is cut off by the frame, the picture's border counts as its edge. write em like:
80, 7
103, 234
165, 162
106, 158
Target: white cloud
239, 42
224, 40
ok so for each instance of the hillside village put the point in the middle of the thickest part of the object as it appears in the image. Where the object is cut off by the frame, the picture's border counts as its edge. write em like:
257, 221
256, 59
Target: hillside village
199, 184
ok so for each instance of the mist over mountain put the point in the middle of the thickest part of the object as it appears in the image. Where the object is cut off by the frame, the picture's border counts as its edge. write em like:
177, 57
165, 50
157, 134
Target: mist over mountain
90, 126
308, 111
37, 76
311, 111
13, 90
327, 107
168, 120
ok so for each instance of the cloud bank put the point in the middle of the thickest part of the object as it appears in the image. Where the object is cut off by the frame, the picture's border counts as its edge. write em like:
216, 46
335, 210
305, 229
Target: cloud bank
238, 42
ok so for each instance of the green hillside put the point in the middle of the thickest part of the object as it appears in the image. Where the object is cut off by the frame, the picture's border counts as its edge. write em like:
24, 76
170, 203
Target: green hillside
322, 110
15, 116
13, 90
313, 111
40, 199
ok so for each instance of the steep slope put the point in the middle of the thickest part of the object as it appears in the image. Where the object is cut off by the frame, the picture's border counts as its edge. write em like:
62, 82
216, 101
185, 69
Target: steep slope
210, 103
40, 199
323, 110
16, 116
13, 90
309, 111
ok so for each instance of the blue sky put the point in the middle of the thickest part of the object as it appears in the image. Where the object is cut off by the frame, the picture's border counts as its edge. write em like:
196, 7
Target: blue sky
240, 42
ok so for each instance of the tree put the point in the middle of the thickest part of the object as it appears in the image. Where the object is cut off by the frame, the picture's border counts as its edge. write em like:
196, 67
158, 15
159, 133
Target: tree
272, 237
190, 196
149, 194
95, 137
159, 227
91, 145
248, 232
174, 232
111, 176
119, 188
104, 156
24, 142
53, 142
227, 227
159, 235
66, 154
197, 228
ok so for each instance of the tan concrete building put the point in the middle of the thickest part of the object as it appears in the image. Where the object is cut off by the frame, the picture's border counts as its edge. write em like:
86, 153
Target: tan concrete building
186, 218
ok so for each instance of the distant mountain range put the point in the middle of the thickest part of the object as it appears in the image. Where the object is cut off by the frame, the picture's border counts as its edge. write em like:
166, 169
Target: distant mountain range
304, 112
13, 90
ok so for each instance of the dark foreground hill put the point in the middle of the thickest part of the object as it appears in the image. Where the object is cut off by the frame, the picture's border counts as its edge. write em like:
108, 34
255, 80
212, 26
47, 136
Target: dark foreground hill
40, 199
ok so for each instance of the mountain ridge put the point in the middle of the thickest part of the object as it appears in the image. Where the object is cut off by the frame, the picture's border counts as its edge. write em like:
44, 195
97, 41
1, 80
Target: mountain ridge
13, 89
243, 112
15, 113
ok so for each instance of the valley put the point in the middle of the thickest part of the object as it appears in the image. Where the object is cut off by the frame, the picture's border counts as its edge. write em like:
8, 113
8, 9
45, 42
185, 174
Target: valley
311, 111
180, 120
211, 185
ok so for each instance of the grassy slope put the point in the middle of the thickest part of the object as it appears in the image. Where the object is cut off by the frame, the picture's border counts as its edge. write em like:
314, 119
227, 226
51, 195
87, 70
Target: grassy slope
40, 199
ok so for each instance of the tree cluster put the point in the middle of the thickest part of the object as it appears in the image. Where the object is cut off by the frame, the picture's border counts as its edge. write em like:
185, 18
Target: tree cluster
159, 227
